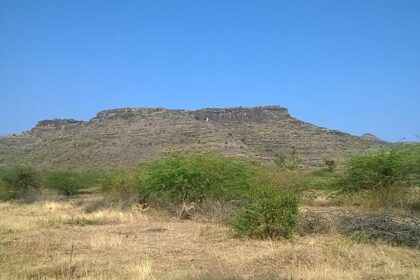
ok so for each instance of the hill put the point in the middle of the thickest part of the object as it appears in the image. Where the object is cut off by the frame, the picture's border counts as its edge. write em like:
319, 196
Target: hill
126, 136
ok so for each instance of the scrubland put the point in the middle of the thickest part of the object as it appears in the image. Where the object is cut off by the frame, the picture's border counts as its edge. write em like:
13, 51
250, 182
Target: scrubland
204, 216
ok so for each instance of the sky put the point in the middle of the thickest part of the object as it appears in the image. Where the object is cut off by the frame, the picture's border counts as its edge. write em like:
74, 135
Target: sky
347, 65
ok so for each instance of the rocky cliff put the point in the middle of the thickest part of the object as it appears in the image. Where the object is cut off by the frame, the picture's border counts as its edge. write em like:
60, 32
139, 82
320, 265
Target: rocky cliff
127, 136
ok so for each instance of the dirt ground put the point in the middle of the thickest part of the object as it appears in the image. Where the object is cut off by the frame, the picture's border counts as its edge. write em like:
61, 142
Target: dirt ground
59, 240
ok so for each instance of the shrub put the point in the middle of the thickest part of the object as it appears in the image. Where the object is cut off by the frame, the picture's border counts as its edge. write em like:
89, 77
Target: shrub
331, 165
193, 177
121, 187
379, 170
409, 166
18, 182
65, 182
272, 214
383, 179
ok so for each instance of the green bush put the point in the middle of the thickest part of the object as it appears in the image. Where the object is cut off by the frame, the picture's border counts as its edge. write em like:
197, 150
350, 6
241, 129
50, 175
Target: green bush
409, 167
122, 186
18, 182
366, 172
272, 214
65, 182
383, 179
193, 177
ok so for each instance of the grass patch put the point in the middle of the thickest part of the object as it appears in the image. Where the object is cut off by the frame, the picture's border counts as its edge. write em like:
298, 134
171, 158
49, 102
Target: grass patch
322, 179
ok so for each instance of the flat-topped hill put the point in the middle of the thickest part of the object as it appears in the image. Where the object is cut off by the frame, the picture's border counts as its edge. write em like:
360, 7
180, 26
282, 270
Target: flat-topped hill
126, 136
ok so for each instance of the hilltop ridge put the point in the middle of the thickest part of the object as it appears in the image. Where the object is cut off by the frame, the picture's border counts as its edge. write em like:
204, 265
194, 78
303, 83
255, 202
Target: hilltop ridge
126, 136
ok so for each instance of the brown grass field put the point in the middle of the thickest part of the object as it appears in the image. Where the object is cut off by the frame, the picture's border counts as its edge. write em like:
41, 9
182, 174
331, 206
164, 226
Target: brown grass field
60, 240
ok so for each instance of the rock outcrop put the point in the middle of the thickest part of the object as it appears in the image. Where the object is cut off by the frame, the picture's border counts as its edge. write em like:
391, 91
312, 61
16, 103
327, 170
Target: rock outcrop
127, 136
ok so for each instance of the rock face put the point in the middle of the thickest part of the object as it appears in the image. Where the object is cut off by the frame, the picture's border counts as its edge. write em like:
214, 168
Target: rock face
122, 137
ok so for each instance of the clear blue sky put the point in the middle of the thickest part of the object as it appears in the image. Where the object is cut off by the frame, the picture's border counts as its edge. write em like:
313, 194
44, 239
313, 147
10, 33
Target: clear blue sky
344, 64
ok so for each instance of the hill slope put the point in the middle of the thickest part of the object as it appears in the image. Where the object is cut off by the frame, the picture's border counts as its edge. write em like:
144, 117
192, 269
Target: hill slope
126, 136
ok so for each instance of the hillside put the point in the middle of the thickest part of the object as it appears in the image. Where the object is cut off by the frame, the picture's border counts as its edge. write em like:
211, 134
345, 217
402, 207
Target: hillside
126, 136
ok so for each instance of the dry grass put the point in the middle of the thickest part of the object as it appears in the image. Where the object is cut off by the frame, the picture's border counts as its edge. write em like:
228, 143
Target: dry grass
36, 242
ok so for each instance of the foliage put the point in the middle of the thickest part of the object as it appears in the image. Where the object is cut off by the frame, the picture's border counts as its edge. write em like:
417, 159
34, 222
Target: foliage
18, 182
409, 167
378, 170
331, 165
65, 182
401, 164
383, 179
193, 177
280, 161
121, 186
272, 214
291, 162
70, 182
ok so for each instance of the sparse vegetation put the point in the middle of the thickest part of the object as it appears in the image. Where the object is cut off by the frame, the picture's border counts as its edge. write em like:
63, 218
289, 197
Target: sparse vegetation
258, 201
291, 162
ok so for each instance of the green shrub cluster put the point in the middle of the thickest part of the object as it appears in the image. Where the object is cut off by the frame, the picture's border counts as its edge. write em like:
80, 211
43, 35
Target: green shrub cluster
409, 167
18, 182
179, 179
401, 164
70, 182
65, 182
271, 214
23, 182
372, 171
193, 177
200, 178
383, 179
